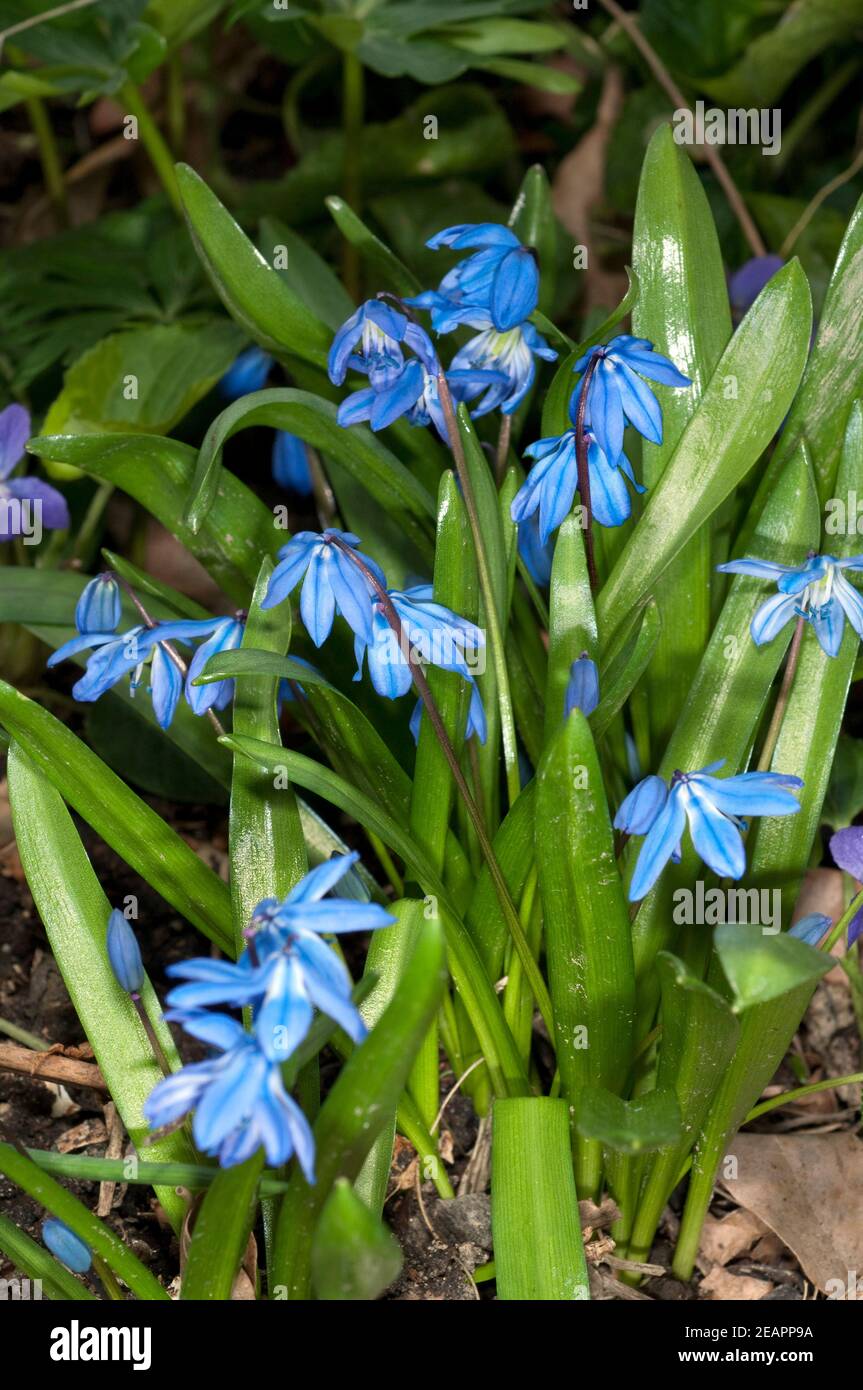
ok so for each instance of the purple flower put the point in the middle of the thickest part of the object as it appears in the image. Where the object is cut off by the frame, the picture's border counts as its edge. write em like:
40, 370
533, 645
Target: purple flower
27, 505
846, 846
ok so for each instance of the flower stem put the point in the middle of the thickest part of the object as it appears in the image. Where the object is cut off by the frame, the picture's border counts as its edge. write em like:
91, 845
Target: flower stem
844, 922
52, 170
507, 720
503, 438
782, 698
154, 142
584, 471
158, 1052
529, 965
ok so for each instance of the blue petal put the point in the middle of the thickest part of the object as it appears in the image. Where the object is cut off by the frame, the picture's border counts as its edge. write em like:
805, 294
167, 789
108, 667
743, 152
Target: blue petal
514, 289
763, 569
295, 559
124, 953
605, 411
640, 405
811, 928
771, 617
14, 433
716, 839
851, 601
285, 1016
99, 608
68, 1247
166, 683
317, 601
609, 496
659, 846
752, 794
829, 624
291, 463
639, 809
582, 691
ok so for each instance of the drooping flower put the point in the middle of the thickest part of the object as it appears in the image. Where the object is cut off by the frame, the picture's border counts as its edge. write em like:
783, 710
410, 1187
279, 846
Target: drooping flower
116, 655
435, 635
287, 970
27, 505
500, 276
238, 1097
291, 467
714, 808
550, 486
248, 372
510, 354
68, 1247
370, 341
811, 928
332, 584
582, 690
124, 953
617, 393
226, 637
536, 555
816, 590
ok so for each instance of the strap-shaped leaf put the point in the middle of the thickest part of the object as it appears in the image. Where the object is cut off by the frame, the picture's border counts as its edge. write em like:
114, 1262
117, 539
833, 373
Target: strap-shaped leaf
75, 911
251, 290
123, 820
742, 407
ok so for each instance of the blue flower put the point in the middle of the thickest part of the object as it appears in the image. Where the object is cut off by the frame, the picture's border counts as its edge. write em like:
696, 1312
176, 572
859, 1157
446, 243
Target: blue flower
99, 608
116, 655
817, 591
435, 635
714, 808
501, 276
248, 372
69, 1248
287, 970
510, 354
370, 342
616, 392
26, 504
291, 463
407, 387
582, 691
225, 637
811, 929
550, 486
124, 953
238, 1097
536, 554
333, 583
846, 846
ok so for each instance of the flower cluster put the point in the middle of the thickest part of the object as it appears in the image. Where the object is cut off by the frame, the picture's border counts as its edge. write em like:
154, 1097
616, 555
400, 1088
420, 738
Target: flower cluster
714, 808
338, 578
285, 973
118, 654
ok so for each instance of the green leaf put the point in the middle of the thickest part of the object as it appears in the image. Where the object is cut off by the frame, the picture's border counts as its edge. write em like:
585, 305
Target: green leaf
75, 912
251, 290
762, 365
762, 967
354, 1255
357, 1107
538, 1248
534, 223
542, 76
683, 310
773, 59
587, 930
221, 1231
624, 668
384, 264
636, 1126
158, 473
470, 978
101, 1240
357, 450
306, 274
195, 1176
572, 620
129, 825
844, 799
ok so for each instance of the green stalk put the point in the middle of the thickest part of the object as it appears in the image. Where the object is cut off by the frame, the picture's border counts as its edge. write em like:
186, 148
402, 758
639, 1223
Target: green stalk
154, 142
52, 169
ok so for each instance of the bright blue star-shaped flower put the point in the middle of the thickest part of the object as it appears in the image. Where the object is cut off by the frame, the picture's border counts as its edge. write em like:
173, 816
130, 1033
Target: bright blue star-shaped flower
617, 394
714, 807
332, 582
435, 635
816, 590
551, 484
501, 277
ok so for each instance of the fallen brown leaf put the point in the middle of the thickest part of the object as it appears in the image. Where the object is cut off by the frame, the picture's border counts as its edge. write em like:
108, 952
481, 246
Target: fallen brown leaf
720, 1284
724, 1240
808, 1188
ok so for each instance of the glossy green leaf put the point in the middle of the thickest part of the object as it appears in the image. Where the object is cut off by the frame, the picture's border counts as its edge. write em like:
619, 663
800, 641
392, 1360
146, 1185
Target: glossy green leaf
314, 420
356, 1109
760, 967
306, 274
538, 1249
683, 310
123, 820
252, 291
195, 1176
75, 911
619, 676
354, 1255
158, 473
100, 1238
221, 1231
572, 620
761, 366
534, 223
635, 1126
384, 264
